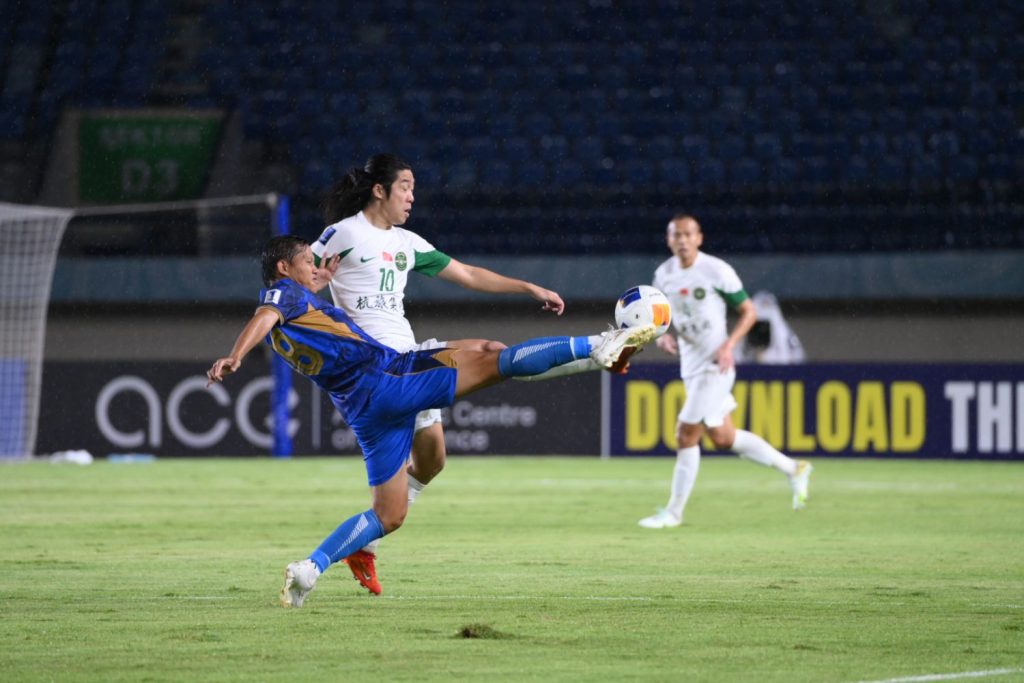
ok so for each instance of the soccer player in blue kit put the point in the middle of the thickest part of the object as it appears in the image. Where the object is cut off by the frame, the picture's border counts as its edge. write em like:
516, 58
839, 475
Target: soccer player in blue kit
378, 390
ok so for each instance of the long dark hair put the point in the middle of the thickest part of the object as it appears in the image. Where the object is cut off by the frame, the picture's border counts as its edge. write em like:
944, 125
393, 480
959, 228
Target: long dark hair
280, 248
353, 192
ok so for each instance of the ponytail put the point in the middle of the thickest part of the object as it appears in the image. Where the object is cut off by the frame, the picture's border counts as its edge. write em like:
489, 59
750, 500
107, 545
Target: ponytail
348, 196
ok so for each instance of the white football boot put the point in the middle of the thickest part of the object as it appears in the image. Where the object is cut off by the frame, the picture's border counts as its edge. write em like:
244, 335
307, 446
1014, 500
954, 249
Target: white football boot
299, 579
662, 519
799, 482
616, 346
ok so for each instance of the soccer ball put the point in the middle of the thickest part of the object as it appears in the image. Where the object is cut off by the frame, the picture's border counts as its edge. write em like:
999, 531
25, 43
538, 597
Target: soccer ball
642, 305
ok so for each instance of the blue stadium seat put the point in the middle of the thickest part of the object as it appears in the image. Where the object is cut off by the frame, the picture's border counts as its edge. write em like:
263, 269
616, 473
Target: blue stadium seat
745, 173
891, 171
494, 173
872, 146
673, 172
925, 171
709, 173
566, 173
962, 169
731, 147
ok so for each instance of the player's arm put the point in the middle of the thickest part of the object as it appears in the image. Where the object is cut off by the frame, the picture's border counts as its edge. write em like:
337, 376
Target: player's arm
482, 280
255, 330
746, 317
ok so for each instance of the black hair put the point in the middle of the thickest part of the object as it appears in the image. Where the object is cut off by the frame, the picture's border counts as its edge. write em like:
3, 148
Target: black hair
683, 216
353, 192
280, 248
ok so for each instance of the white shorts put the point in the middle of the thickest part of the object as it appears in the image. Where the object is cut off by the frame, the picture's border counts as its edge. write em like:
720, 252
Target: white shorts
425, 418
708, 398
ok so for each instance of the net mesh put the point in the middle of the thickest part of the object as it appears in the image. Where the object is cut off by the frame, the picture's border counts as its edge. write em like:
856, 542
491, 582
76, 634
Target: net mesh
29, 240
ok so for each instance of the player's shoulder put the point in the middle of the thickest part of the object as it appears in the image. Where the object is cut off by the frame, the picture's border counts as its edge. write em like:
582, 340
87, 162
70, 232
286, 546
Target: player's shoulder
280, 293
714, 263
407, 236
344, 232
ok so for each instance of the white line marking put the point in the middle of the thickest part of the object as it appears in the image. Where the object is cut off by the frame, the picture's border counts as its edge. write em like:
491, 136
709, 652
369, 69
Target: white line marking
593, 598
949, 677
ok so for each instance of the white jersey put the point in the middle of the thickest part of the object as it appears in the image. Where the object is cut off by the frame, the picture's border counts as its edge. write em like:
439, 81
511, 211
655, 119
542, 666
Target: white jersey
699, 296
375, 265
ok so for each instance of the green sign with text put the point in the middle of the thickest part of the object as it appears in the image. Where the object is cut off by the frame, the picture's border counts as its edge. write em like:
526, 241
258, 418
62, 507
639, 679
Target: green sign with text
145, 158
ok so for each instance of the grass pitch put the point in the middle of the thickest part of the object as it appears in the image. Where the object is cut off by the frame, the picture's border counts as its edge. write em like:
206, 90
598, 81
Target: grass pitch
515, 569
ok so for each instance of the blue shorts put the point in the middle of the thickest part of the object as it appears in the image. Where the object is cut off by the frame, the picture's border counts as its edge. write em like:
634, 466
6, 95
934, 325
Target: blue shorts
412, 382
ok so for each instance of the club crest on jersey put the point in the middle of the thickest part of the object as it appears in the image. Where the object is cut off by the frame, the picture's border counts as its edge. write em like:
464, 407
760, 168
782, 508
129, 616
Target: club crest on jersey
400, 260
699, 293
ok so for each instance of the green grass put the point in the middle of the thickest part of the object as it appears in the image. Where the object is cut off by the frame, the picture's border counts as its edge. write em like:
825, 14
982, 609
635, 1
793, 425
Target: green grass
170, 571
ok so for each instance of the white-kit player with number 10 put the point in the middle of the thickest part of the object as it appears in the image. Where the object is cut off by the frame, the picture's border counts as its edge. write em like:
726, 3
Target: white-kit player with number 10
363, 212
700, 287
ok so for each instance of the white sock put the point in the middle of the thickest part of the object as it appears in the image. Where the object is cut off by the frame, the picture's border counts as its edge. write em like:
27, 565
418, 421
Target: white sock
415, 487
752, 447
571, 368
683, 478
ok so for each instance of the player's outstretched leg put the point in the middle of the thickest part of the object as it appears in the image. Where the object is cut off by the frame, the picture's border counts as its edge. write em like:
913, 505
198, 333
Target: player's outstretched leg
610, 350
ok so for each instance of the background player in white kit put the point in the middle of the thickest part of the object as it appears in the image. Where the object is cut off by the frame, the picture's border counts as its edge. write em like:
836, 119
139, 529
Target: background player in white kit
363, 212
700, 286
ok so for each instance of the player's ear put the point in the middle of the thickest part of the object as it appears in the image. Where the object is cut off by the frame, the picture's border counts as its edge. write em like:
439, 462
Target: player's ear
282, 267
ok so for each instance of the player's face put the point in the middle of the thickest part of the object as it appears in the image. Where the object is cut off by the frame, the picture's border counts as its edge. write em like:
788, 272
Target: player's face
684, 239
302, 270
398, 206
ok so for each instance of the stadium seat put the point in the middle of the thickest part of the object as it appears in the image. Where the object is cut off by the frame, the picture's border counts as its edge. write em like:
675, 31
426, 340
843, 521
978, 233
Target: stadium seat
806, 107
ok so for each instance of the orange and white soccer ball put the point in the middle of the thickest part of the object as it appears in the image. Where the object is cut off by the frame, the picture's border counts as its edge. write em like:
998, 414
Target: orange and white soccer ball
643, 305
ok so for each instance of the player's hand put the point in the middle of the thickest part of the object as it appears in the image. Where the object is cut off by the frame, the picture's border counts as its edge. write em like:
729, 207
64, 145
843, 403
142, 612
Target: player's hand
725, 359
221, 368
551, 300
668, 343
325, 273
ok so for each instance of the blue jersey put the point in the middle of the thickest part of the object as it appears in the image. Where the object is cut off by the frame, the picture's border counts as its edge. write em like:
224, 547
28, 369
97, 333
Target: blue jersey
324, 343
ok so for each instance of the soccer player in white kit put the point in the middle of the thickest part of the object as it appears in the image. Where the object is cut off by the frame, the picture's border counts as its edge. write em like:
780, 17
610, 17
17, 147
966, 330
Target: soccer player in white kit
364, 212
699, 287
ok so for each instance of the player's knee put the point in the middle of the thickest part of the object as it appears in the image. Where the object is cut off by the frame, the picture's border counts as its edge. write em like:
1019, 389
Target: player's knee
688, 435
391, 520
425, 469
721, 442
722, 438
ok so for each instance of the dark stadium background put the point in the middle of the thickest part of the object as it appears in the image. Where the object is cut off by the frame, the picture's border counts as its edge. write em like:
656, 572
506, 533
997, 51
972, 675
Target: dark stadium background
861, 160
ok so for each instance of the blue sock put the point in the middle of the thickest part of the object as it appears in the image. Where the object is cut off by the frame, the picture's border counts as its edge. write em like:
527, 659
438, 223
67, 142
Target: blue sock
353, 534
538, 355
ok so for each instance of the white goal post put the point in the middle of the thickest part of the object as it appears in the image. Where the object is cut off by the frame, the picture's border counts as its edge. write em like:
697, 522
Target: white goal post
29, 240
